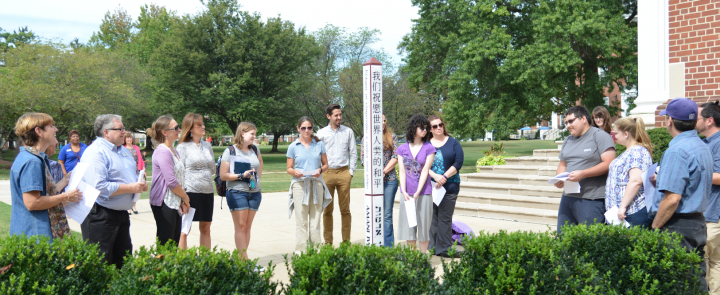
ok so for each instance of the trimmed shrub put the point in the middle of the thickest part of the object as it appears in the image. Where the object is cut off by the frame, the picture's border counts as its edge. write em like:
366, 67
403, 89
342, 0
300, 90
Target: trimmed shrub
518, 263
359, 269
33, 265
598, 259
169, 270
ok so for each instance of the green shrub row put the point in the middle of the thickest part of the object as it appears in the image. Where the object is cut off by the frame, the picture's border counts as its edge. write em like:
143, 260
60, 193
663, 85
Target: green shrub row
585, 260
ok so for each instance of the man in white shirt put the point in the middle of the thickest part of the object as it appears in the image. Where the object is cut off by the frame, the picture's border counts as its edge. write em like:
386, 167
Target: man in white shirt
341, 149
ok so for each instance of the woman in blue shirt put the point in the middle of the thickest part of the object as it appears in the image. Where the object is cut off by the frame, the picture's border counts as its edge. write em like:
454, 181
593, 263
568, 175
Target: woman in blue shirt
71, 153
444, 173
306, 161
37, 205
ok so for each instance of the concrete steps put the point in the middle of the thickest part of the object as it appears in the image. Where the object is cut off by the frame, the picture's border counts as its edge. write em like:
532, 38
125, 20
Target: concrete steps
515, 191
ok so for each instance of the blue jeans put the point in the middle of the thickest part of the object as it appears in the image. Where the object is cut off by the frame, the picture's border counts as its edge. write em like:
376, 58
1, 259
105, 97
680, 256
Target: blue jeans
238, 200
580, 211
389, 191
640, 218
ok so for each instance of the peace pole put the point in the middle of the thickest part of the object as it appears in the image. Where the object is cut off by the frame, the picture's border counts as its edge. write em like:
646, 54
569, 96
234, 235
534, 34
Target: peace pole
373, 149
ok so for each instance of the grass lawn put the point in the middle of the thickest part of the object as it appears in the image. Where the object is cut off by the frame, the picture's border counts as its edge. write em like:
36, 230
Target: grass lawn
274, 178
5, 221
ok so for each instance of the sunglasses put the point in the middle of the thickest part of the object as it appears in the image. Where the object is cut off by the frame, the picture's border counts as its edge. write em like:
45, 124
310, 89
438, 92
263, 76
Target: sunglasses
177, 128
306, 128
441, 125
422, 128
384, 120
570, 121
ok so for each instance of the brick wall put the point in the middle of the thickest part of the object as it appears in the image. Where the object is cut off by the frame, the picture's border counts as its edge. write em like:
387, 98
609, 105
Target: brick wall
695, 40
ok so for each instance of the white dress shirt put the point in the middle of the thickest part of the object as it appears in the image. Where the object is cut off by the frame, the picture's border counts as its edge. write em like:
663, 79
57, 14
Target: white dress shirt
340, 146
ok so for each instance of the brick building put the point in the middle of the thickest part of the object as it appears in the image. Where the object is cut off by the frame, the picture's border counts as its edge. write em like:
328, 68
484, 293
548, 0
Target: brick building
678, 54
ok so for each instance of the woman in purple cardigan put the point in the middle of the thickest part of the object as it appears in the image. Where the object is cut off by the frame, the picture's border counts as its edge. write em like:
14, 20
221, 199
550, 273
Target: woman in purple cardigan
168, 199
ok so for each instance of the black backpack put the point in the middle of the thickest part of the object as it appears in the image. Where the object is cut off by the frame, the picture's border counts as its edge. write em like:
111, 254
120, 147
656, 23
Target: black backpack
220, 185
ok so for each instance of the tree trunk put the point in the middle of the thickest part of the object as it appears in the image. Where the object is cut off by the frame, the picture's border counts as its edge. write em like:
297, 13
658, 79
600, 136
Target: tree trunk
276, 137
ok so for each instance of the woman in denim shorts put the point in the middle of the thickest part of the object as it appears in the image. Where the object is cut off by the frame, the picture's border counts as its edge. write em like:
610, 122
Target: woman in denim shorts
243, 187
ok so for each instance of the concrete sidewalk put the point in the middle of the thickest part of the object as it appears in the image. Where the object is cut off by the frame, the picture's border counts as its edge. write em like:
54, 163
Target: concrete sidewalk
273, 234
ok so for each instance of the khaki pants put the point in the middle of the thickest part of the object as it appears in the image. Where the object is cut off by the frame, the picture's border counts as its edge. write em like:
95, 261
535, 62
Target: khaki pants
307, 218
338, 179
712, 256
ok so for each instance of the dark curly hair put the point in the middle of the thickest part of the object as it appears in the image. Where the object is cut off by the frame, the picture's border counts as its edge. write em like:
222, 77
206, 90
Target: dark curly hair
415, 122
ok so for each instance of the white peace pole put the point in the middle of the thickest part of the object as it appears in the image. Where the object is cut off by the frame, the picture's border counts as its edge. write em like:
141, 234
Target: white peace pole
373, 149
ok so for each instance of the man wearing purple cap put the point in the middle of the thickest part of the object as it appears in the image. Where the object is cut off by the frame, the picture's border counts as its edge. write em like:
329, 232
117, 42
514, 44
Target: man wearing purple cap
684, 180
708, 125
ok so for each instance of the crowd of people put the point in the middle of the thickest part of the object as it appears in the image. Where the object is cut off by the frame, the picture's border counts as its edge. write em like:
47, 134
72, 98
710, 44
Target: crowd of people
685, 185
684, 198
322, 166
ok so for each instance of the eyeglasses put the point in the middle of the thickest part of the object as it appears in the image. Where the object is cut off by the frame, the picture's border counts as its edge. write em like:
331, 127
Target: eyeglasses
177, 128
598, 118
570, 121
306, 128
441, 125
117, 129
422, 128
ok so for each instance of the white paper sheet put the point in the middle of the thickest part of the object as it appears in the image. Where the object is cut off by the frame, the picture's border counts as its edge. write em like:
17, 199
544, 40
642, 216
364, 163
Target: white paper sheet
611, 217
410, 211
438, 194
570, 187
141, 178
649, 187
310, 173
187, 220
79, 210
77, 175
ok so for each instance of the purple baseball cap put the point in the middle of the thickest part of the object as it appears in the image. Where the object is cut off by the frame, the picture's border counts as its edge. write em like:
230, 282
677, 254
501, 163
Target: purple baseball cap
683, 109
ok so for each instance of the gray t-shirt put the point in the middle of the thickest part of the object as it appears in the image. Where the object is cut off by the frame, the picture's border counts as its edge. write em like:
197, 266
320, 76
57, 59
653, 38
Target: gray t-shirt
584, 152
254, 163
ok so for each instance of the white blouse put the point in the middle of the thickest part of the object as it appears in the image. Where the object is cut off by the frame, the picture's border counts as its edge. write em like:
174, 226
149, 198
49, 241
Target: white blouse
199, 162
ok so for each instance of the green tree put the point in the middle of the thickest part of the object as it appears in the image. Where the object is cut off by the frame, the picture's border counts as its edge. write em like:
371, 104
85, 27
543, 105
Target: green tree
501, 64
116, 30
231, 65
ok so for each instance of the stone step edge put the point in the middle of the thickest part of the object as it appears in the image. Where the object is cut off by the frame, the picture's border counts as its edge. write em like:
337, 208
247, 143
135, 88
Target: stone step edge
548, 188
504, 209
508, 176
519, 198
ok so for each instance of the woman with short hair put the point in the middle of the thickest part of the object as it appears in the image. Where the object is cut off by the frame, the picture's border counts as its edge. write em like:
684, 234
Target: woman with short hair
624, 188
71, 153
37, 204
199, 160
168, 199
309, 195
243, 187
415, 158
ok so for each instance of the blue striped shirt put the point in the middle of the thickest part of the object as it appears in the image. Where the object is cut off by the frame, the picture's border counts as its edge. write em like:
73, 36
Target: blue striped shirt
712, 214
685, 169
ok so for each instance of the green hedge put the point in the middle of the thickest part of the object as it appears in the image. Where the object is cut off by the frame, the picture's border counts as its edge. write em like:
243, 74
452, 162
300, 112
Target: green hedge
168, 270
36, 266
659, 138
359, 269
598, 259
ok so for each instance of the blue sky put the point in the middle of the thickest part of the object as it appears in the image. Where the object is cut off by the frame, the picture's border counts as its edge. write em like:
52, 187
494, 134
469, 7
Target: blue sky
69, 19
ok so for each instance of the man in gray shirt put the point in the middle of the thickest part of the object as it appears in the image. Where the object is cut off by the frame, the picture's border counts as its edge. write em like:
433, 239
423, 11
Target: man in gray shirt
341, 149
586, 154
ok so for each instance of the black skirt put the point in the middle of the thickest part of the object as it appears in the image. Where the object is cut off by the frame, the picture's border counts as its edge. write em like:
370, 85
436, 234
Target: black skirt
203, 204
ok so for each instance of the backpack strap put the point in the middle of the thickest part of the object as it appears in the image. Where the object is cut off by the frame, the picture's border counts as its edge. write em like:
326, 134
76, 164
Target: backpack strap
255, 149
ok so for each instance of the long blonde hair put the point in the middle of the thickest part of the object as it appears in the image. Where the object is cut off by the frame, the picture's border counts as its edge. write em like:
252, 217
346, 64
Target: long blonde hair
635, 127
242, 128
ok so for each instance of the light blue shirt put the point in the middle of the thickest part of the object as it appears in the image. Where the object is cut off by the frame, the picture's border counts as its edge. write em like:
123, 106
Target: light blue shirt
306, 159
686, 169
712, 214
110, 166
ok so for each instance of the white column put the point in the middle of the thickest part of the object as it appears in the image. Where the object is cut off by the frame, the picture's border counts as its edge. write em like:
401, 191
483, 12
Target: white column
373, 149
653, 59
